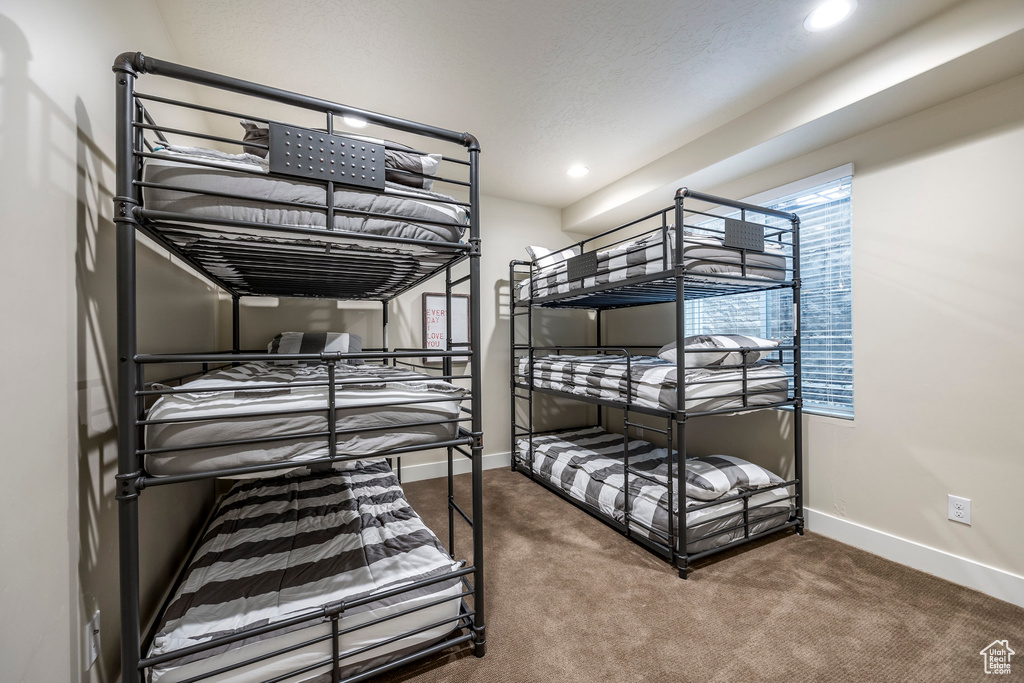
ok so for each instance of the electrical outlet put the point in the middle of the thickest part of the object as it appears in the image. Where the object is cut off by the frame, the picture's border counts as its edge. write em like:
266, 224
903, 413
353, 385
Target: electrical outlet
959, 509
92, 640
639, 432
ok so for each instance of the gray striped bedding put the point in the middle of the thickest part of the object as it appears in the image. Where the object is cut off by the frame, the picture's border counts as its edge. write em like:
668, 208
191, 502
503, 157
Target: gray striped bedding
279, 548
588, 465
651, 381
247, 175
383, 392
703, 255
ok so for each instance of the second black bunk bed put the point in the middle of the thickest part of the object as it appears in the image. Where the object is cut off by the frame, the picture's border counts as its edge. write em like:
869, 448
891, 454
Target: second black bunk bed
313, 566
683, 508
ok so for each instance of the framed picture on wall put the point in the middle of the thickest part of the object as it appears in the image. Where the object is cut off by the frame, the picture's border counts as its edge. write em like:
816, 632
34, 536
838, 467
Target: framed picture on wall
435, 324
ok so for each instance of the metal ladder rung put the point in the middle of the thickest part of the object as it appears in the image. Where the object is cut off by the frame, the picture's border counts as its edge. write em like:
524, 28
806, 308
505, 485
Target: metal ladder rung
642, 475
455, 506
648, 428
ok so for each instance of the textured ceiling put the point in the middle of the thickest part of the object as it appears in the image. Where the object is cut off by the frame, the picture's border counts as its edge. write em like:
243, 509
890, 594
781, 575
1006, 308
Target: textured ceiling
542, 83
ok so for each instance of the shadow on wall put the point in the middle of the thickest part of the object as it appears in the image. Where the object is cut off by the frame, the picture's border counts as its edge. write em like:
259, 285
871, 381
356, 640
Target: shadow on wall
177, 311
30, 125
549, 327
96, 355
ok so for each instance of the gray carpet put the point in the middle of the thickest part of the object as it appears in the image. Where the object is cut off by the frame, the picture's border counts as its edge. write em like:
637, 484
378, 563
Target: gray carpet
570, 600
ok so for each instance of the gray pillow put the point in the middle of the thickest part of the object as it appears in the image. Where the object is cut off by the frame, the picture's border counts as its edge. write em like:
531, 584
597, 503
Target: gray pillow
399, 159
720, 350
712, 476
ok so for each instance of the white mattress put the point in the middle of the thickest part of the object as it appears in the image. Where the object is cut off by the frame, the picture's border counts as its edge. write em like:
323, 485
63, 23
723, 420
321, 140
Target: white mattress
247, 175
383, 392
280, 548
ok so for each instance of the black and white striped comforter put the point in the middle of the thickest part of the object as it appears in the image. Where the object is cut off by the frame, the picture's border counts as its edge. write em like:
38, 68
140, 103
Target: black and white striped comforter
279, 548
371, 397
651, 381
703, 255
588, 465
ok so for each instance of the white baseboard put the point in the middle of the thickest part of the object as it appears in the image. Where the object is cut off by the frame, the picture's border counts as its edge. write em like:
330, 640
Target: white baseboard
436, 470
989, 580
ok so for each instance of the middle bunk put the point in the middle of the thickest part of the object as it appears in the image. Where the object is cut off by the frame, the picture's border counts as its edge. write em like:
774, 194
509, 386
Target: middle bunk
682, 508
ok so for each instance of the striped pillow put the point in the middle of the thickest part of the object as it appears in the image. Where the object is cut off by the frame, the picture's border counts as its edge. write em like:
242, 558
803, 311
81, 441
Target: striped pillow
545, 257
712, 476
720, 354
317, 342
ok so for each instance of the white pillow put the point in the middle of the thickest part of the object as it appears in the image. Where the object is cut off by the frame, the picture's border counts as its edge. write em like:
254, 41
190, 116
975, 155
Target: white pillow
720, 354
545, 257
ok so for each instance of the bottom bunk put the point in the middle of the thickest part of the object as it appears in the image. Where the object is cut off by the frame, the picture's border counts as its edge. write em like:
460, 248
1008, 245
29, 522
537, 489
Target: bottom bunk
295, 574
728, 499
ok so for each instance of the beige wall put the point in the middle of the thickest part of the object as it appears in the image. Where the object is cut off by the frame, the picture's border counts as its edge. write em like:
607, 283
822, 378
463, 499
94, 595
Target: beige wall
937, 330
58, 519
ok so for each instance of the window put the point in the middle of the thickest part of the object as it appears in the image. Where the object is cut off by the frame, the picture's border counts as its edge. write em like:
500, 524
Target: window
826, 300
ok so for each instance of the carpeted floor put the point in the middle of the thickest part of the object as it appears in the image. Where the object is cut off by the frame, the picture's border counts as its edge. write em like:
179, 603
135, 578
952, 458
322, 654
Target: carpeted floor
570, 600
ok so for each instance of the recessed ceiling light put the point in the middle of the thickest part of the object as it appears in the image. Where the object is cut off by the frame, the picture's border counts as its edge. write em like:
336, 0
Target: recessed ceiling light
828, 14
578, 171
354, 121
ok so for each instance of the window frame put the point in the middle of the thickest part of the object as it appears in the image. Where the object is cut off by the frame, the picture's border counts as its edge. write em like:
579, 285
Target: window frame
771, 197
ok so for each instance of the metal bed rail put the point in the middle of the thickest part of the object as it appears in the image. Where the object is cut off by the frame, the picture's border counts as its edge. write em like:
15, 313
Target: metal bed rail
334, 615
710, 275
745, 398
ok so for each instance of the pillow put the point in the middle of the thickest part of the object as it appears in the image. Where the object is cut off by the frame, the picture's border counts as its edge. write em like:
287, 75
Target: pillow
720, 356
397, 157
545, 257
317, 342
712, 476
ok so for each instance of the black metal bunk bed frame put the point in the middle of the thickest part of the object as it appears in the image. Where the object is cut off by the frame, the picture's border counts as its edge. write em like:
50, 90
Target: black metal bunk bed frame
266, 270
672, 283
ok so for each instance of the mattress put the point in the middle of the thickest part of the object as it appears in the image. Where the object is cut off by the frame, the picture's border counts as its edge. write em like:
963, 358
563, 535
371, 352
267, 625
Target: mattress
368, 397
651, 382
587, 464
703, 255
283, 547
247, 175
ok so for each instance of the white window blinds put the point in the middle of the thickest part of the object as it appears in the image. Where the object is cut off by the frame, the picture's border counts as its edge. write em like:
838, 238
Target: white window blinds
826, 299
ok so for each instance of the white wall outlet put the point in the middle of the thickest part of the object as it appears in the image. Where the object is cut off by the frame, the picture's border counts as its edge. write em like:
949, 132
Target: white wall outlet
92, 640
959, 509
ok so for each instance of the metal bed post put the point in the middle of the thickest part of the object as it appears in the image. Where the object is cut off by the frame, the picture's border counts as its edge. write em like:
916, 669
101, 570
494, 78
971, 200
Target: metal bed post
798, 407
128, 475
512, 362
680, 416
600, 337
235, 324
446, 365
384, 324
529, 367
475, 293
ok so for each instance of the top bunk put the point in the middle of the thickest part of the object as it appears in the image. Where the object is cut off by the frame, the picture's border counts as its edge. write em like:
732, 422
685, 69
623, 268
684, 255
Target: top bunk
727, 247
274, 193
